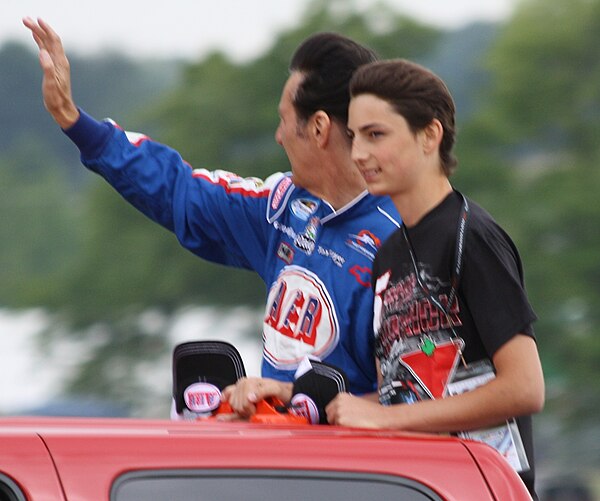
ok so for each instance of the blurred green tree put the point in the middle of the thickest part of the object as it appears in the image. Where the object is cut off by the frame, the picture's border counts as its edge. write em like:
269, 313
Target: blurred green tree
539, 134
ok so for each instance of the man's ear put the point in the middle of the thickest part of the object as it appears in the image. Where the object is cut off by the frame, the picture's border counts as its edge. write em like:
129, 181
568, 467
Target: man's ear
432, 136
320, 128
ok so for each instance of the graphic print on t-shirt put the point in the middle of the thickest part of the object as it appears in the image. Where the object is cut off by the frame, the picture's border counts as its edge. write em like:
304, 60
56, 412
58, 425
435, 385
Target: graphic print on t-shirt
414, 342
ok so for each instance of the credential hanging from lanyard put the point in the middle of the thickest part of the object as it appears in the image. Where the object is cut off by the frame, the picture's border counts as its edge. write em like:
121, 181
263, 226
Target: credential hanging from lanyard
433, 364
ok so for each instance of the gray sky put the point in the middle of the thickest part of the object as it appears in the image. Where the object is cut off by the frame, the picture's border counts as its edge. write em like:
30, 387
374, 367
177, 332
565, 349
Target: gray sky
190, 28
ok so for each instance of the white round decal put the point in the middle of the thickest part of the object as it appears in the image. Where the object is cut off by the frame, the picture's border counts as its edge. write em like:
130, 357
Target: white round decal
202, 397
304, 406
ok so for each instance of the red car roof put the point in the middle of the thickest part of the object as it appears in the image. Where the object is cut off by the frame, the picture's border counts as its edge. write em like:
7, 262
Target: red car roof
89, 454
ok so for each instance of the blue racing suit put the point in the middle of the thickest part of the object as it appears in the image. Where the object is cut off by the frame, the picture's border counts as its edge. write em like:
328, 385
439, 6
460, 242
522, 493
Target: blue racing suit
315, 261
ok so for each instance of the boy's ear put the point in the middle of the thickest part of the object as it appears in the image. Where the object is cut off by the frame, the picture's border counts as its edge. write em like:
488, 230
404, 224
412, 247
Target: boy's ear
432, 136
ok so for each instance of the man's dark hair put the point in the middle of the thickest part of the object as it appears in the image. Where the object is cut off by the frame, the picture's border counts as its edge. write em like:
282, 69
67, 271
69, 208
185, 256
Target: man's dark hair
327, 61
415, 93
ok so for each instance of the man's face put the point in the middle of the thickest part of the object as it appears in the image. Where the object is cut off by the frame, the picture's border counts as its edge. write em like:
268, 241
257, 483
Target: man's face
292, 134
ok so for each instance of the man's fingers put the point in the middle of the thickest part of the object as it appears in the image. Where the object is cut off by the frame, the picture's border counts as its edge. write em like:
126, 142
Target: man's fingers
45, 37
51, 39
243, 395
46, 61
35, 31
38, 41
227, 391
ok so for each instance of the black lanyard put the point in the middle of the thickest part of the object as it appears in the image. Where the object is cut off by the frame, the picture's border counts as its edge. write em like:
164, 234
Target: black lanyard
458, 262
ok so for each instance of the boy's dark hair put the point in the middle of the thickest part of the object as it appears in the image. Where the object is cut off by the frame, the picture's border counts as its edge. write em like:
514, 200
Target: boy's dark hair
415, 93
327, 61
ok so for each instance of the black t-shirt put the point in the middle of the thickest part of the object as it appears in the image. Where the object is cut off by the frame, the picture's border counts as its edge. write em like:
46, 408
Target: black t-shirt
490, 308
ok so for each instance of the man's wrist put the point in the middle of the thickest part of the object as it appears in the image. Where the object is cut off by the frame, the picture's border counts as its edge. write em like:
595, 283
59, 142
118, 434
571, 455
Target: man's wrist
89, 135
67, 118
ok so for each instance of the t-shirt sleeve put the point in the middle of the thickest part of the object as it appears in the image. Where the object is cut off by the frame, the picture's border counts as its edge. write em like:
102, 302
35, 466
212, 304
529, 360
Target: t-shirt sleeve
493, 286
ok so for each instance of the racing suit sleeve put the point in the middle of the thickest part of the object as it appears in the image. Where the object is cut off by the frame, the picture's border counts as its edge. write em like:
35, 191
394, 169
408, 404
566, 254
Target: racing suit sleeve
217, 215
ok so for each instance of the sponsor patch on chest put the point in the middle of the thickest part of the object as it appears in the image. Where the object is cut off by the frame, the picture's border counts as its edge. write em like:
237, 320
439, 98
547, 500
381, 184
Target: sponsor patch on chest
364, 242
285, 253
300, 319
303, 208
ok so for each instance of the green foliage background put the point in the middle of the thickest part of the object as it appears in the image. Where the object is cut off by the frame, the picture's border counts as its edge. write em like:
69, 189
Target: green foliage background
529, 117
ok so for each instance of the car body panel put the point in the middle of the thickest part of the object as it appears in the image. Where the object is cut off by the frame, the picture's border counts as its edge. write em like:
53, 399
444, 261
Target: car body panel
25, 460
90, 454
492, 468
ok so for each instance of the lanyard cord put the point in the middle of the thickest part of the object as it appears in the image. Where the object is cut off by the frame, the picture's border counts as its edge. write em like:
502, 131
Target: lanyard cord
458, 264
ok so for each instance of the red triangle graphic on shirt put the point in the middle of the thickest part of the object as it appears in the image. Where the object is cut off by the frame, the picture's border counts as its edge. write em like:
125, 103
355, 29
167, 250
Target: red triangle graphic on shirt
433, 371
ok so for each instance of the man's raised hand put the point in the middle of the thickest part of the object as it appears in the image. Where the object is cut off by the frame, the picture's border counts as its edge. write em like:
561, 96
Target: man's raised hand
56, 84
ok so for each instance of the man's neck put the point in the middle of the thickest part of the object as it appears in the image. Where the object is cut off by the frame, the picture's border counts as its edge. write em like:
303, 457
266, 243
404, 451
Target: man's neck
343, 186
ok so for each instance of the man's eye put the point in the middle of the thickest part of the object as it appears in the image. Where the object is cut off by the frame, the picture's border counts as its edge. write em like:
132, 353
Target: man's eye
374, 134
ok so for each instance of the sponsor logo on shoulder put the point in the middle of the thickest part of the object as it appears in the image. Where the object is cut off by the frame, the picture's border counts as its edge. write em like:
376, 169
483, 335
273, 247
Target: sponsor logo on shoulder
279, 192
202, 397
303, 208
364, 242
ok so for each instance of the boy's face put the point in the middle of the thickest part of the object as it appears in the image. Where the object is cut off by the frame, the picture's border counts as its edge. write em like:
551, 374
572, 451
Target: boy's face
385, 150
